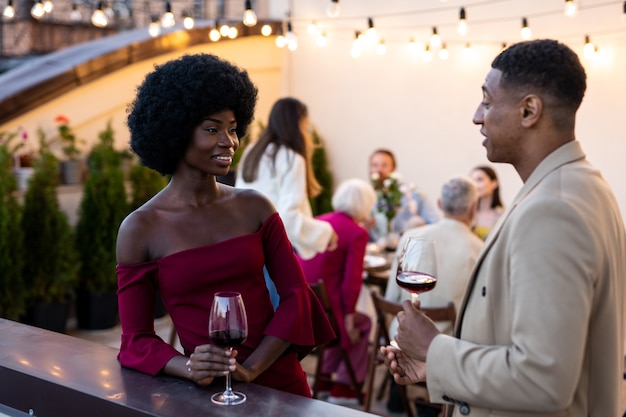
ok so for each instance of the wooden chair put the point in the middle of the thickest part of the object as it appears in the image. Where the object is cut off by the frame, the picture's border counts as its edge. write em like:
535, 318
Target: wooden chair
320, 290
385, 311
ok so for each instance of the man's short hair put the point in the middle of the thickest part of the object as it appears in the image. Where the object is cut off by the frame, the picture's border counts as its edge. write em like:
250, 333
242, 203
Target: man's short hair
458, 195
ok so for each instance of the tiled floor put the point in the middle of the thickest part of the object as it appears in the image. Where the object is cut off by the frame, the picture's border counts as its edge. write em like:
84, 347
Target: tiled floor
111, 337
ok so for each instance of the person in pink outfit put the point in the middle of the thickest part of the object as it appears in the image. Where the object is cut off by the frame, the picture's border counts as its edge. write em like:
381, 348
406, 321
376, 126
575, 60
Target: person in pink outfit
342, 273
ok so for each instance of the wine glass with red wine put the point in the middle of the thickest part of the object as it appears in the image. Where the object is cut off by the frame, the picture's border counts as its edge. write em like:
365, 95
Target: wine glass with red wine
417, 266
228, 327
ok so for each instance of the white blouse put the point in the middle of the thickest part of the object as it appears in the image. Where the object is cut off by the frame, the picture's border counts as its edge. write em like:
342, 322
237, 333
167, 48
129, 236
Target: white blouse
285, 185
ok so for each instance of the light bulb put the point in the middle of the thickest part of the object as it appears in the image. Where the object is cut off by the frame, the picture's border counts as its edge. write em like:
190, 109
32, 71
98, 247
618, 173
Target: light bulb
154, 28
443, 52
188, 21
312, 29
624, 12
435, 39
224, 29
292, 39
381, 48
427, 56
48, 6
281, 41
233, 32
333, 9
249, 17
168, 20
371, 34
570, 8
9, 10
525, 33
413, 47
37, 10
214, 35
462, 26
321, 40
589, 49
356, 45
99, 18
467, 51
266, 30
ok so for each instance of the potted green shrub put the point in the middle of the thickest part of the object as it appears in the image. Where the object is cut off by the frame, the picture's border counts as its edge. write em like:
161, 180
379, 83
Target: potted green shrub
50, 260
103, 207
323, 202
11, 237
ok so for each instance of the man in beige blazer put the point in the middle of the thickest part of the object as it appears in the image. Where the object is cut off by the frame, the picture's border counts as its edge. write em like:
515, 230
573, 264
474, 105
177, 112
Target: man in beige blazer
541, 328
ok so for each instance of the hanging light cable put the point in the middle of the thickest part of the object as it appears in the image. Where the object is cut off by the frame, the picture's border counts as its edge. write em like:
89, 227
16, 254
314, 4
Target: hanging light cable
571, 8
525, 33
9, 10
333, 9
462, 26
249, 17
99, 19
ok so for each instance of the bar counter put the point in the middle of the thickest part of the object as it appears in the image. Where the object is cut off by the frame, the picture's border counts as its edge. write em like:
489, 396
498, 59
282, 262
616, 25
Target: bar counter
48, 374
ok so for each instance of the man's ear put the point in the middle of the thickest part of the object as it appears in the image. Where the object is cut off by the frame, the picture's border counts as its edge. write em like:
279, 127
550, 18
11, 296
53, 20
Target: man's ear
531, 109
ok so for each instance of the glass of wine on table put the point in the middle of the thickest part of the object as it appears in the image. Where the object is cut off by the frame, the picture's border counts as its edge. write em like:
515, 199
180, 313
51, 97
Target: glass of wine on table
228, 327
417, 267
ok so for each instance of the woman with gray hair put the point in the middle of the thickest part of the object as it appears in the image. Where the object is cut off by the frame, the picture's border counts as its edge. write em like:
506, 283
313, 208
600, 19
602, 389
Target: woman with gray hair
342, 273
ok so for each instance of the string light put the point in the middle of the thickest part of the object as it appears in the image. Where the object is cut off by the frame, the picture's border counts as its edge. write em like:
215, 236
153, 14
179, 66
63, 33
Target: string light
249, 17
624, 12
313, 29
233, 32
589, 49
224, 29
443, 52
321, 40
370, 33
75, 15
525, 33
413, 47
356, 45
48, 6
9, 10
435, 39
292, 39
333, 9
427, 56
188, 21
214, 33
381, 48
168, 20
570, 8
37, 11
154, 28
266, 30
280, 41
462, 26
99, 19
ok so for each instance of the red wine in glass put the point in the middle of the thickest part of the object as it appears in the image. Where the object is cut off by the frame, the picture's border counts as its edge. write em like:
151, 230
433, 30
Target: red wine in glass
228, 327
227, 338
415, 282
417, 266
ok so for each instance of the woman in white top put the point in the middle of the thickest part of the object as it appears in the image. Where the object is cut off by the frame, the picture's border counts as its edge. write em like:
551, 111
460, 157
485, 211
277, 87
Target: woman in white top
279, 166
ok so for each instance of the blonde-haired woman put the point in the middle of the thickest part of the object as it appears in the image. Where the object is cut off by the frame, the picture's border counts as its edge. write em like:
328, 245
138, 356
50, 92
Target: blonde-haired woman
279, 166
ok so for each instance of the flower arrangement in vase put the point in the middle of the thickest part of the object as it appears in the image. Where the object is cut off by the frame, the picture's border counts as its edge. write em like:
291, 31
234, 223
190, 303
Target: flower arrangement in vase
389, 195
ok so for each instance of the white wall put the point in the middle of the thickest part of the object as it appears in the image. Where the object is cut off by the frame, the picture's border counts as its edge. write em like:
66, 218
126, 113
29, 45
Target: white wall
423, 111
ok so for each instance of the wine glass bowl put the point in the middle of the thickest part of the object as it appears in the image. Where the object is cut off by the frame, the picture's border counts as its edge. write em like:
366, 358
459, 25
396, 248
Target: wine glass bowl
417, 266
228, 327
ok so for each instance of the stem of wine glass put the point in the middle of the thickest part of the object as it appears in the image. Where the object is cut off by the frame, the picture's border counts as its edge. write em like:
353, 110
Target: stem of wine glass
414, 298
229, 391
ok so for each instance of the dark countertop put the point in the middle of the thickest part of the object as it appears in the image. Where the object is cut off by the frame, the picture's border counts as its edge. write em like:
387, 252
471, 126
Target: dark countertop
54, 374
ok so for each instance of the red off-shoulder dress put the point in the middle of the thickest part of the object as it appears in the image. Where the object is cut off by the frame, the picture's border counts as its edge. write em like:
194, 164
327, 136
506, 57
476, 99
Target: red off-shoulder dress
186, 282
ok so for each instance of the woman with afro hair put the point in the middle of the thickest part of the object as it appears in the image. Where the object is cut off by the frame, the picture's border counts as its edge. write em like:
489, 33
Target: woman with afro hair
197, 237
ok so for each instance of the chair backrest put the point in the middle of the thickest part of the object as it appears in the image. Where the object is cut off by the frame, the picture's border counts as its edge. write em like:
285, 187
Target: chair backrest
385, 310
320, 291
